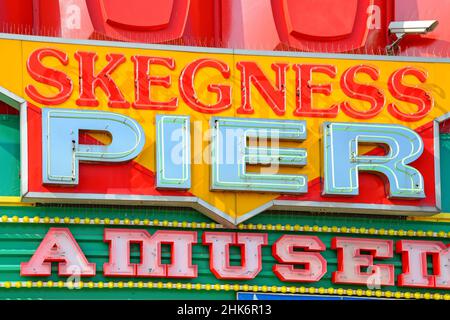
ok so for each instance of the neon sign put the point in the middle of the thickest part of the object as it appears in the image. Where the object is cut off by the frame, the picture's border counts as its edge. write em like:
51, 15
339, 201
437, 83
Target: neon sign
228, 133
62, 152
360, 261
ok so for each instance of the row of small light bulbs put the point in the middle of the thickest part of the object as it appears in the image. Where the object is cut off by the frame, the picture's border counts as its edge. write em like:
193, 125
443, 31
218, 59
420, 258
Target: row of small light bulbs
224, 287
204, 225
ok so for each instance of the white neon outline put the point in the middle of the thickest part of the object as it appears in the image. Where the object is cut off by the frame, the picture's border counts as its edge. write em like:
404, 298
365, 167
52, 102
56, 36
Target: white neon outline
252, 132
328, 143
76, 154
160, 154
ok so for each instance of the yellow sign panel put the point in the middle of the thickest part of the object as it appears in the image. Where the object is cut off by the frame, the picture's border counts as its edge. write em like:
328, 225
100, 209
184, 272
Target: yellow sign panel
209, 86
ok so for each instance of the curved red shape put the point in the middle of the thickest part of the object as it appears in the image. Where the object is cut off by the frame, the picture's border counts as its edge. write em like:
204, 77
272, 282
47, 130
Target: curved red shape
138, 14
16, 16
322, 25
139, 20
308, 18
248, 24
357, 26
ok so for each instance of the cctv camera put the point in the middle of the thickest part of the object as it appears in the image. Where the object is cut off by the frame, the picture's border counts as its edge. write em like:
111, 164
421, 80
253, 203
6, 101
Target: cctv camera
412, 27
403, 28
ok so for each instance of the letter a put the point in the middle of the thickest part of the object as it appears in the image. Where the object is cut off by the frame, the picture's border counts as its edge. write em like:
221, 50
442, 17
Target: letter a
58, 246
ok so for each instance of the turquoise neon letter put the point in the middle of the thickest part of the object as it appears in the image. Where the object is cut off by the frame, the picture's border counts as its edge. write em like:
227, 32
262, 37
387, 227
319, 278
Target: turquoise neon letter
342, 160
231, 154
61, 151
173, 152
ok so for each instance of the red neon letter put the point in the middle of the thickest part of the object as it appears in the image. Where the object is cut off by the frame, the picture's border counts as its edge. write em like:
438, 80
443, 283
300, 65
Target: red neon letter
58, 246
417, 96
274, 96
89, 81
305, 89
414, 263
315, 265
49, 76
350, 261
442, 278
364, 92
119, 251
119, 259
189, 95
144, 83
219, 250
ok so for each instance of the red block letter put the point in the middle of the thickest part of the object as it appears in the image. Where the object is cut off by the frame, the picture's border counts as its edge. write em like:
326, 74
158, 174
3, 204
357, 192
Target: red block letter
219, 250
364, 92
49, 76
274, 96
58, 246
189, 95
305, 90
442, 277
414, 263
89, 81
350, 261
144, 83
150, 266
417, 96
314, 264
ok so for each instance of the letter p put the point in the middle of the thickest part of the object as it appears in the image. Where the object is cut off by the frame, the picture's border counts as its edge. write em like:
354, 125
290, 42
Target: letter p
62, 152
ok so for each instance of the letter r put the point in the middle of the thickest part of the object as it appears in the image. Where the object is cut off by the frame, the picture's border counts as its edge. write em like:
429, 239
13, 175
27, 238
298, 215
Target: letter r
342, 162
